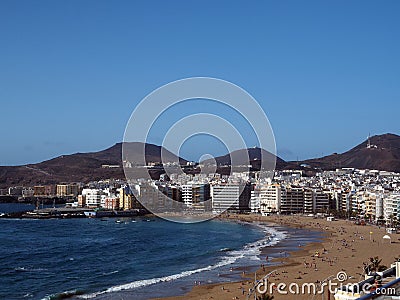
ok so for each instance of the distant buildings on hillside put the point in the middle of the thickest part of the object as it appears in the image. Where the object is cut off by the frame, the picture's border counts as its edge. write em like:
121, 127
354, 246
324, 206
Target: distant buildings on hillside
369, 194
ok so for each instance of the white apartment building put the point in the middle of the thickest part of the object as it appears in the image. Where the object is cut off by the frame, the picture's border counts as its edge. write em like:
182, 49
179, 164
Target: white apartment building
270, 198
93, 197
391, 205
187, 194
255, 204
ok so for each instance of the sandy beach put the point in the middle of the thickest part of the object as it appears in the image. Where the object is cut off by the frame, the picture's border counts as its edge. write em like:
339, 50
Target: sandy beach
345, 248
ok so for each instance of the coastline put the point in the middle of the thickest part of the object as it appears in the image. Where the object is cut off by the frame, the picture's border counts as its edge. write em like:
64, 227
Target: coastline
342, 245
346, 247
229, 267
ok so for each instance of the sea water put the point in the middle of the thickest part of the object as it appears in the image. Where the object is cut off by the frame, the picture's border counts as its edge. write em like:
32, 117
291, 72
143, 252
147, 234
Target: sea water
128, 258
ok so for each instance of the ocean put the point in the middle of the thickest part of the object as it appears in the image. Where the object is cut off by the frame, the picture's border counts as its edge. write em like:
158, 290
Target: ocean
129, 258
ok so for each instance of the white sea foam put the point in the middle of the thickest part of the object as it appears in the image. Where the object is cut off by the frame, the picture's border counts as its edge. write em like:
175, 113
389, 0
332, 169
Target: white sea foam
272, 237
28, 269
110, 273
251, 250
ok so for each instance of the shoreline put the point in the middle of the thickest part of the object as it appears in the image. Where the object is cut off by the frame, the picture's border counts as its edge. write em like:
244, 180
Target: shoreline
343, 248
168, 288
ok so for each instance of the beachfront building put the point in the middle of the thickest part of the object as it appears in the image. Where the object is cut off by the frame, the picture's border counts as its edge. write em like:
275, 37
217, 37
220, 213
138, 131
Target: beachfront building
174, 193
200, 193
391, 204
126, 198
358, 202
292, 200
338, 196
270, 198
346, 200
81, 200
111, 203
194, 195
67, 190
224, 197
321, 201
187, 195
255, 204
151, 196
93, 197
200, 197
309, 201
379, 206
172, 198
370, 206
39, 190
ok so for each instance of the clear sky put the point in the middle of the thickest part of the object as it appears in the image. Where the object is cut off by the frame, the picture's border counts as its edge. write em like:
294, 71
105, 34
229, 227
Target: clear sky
325, 72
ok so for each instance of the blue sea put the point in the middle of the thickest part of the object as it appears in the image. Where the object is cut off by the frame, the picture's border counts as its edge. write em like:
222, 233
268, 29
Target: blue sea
134, 258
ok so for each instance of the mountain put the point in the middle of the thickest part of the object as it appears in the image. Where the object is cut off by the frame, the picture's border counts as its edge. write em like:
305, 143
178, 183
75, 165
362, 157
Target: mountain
83, 167
380, 152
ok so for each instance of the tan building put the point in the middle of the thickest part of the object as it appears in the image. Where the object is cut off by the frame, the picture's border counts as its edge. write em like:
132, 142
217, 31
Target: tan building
44, 190
125, 199
370, 206
67, 190
39, 190
81, 200
50, 190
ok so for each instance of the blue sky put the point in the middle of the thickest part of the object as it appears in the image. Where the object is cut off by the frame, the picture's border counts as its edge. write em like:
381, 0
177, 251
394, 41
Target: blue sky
71, 72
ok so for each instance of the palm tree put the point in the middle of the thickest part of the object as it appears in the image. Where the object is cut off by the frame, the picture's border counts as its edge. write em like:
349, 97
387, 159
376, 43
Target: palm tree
391, 220
395, 222
374, 265
265, 296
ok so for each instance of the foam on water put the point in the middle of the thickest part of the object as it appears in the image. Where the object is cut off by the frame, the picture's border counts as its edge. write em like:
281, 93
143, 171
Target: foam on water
250, 250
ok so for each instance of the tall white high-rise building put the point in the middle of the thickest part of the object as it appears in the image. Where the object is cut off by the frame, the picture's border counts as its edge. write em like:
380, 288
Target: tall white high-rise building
225, 197
391, 205
255, 204
187, 195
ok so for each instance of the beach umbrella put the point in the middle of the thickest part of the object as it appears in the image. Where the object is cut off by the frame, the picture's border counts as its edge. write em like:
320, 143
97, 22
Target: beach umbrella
386, 237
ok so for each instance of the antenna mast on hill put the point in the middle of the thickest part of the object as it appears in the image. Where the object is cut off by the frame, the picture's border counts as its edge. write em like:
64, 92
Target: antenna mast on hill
369, 145
369, 141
